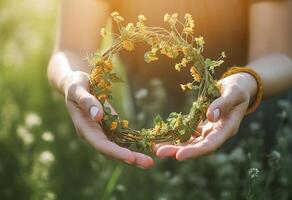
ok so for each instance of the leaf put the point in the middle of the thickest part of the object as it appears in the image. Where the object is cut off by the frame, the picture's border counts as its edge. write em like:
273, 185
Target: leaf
158, 120
107, 110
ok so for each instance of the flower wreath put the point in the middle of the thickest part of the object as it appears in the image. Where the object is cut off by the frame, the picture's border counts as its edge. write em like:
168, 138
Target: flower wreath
178, 127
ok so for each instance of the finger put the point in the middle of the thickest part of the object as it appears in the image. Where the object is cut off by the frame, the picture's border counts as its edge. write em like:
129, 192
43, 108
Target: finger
221, 106
221, 131
86, 101
167, 151
93, 134
155, 147
143, 161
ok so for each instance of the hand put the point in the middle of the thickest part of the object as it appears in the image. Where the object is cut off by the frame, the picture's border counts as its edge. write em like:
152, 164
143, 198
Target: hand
86, 112
224, 116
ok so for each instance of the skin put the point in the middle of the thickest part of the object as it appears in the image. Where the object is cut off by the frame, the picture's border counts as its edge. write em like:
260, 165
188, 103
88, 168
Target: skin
269, 55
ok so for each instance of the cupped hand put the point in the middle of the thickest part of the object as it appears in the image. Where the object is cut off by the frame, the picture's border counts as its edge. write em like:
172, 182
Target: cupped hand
224, 116
86, 113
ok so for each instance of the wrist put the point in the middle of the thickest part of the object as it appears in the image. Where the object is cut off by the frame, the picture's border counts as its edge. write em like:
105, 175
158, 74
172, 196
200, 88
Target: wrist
250, 83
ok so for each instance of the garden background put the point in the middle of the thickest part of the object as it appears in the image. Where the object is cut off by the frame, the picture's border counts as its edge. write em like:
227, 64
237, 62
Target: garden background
41, 157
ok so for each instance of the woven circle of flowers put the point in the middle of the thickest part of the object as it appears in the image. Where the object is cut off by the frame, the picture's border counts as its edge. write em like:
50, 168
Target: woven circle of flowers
177, 128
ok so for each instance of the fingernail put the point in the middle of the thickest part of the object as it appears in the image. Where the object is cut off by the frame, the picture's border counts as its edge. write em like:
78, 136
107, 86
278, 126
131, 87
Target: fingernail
128, 162
93, 112
216, 114
142, 167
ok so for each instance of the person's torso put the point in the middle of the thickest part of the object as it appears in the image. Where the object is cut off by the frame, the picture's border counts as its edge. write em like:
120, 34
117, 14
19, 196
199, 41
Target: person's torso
223, 24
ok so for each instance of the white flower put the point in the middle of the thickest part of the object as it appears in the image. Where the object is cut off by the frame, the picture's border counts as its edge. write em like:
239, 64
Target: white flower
255, 126
32, 119
48, 136
26, 137
46, 157
141, 94
253, 173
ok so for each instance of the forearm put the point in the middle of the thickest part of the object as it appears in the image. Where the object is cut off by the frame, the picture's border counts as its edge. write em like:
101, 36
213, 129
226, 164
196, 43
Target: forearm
62, 64
275, 71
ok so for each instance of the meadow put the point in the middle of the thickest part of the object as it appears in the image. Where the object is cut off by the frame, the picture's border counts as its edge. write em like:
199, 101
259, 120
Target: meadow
41, 156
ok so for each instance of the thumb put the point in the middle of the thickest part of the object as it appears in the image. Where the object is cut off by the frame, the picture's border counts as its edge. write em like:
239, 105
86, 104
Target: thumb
90, 105
222, 105
86, 101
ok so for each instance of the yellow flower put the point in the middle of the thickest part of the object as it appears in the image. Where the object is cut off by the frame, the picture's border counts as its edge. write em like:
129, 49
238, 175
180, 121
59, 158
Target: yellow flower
141, 18
189, 86
157, 128
108, 65
128, 45
177, 67
184, 62
102, 97
116, 16
188, 31
125, 123
95, 74
173, 19
114, 125
195, 74
166, 17
183, 87
200, 41
223, 54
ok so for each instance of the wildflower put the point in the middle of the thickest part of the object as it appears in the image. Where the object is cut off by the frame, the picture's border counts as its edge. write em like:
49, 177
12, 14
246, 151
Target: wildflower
128, 45
184, 62
195, 74
141, 18
103, 84
177, 67
183, 87
141, 94
116, 17
172, 19
32, 119
103, 32
48, 136
253, 173
189, 24
166, 17
169, 51
46, 157
189, 86
150, 56
114, 125
102, 96
125, 123
130, 29
108, 65
223, 54
157, 128
200, 41
26, 137
188, 30
95, 74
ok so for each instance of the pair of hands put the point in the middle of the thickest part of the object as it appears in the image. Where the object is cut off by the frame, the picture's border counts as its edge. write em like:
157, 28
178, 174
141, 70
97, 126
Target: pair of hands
223, 119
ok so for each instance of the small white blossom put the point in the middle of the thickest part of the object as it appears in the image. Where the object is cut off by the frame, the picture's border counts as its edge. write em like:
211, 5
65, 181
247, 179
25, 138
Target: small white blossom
24, 134
48, 136
46, 157
32, 119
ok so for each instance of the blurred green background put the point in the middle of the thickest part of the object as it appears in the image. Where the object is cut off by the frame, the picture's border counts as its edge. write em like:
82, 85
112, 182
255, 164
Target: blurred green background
42, 158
